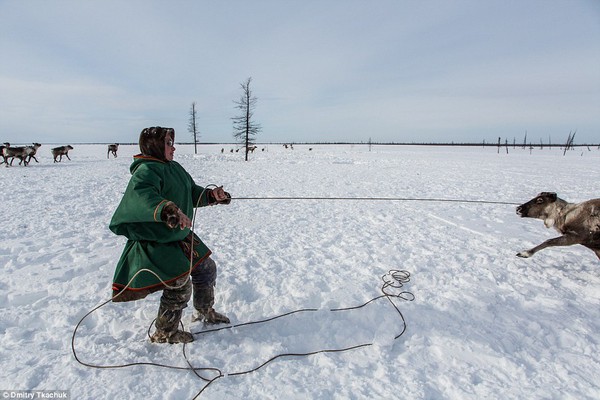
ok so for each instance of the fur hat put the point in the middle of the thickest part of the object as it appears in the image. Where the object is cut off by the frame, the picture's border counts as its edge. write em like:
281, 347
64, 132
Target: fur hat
152, 141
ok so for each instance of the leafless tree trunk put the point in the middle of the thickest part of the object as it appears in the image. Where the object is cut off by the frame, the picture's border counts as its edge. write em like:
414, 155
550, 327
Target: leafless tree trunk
193, 126
569, 144
244, 128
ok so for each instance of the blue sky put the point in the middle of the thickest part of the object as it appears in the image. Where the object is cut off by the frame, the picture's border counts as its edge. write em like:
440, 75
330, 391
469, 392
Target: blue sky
329, 70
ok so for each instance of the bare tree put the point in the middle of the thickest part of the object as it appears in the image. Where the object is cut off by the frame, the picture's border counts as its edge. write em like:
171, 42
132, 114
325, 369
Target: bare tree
569, 144
193, 126
244, 128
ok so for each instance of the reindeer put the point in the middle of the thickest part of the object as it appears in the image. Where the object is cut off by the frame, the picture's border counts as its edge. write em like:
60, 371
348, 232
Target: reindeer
33, 152
23, 153
5, 145
112, 148
251, 149
61, 151
579, 223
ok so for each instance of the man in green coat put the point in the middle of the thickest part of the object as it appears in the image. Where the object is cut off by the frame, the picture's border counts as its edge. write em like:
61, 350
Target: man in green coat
161, 251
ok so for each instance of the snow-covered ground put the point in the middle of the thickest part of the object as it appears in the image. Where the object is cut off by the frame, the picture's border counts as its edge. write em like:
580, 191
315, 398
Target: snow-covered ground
484, 324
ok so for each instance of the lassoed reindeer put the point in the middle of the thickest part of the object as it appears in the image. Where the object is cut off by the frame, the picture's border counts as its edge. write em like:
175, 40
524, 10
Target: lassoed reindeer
579, 223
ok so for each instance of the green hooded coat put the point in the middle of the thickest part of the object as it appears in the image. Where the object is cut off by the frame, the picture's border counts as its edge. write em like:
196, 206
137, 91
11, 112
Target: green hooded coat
151, 243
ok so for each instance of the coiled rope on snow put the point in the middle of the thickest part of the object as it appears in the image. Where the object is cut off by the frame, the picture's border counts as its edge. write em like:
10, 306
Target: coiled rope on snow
393, 282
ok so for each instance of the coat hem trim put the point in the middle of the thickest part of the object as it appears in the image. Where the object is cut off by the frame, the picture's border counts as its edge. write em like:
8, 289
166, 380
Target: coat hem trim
122, 293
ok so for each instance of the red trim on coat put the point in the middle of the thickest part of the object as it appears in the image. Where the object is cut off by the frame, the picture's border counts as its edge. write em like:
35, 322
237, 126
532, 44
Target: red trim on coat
156, 210
119, 287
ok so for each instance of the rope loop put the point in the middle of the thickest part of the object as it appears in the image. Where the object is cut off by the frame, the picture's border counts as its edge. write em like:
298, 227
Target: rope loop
393, 282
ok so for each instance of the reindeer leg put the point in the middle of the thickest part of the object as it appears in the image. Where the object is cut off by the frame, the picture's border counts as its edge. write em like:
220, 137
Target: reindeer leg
565, 240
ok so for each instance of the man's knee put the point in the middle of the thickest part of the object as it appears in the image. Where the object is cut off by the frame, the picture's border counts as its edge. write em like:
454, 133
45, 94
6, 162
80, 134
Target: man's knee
177, 296
205, 274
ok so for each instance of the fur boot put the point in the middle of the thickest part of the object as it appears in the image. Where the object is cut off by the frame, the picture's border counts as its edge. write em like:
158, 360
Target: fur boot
167, 324
204, 299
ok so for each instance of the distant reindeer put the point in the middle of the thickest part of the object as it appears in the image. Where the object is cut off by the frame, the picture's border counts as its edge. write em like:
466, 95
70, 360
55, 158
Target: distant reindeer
23, 153
579, 223
61, 151
251, 149
112, 148
5, 145
33, 152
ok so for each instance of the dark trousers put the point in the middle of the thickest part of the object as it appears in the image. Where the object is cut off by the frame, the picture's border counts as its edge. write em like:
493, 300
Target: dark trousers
203, 276
173, 301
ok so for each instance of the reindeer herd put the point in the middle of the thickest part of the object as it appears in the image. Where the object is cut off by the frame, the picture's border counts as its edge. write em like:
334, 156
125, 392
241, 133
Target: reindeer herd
26, 153
252, 148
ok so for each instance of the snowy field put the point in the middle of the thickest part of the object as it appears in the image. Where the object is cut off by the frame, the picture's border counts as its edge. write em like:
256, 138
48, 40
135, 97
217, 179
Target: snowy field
484, 323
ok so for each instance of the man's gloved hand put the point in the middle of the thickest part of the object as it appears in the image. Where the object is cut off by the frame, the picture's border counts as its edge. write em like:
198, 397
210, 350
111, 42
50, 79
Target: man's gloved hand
227, 199
173, 216
220, 196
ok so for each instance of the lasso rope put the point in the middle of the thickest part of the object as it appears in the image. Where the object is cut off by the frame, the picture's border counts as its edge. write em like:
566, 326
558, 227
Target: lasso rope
393, 280
378, 199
